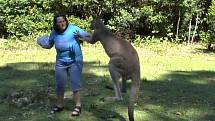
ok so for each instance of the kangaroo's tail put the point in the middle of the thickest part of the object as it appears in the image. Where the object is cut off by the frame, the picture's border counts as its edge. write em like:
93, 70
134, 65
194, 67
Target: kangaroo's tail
133, 95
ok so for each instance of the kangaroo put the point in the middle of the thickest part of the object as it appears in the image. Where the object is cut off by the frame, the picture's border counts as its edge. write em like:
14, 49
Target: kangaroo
124, 62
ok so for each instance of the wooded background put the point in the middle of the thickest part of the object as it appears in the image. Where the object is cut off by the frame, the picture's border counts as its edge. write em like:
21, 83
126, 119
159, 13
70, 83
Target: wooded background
169, 20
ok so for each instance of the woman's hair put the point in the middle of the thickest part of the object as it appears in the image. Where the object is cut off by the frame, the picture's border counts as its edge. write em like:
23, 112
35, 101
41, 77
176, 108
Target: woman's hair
55, 22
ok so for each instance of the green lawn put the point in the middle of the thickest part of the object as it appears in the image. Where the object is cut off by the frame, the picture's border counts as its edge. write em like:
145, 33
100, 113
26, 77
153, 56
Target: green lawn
178, 84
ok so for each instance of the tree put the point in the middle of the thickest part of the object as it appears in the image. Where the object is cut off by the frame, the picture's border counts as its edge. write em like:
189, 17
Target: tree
211, 23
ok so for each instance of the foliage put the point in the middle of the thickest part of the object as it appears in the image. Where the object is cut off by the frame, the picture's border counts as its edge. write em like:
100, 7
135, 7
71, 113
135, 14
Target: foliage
84, 24
164, 19
211, 20
205, 37
24, 17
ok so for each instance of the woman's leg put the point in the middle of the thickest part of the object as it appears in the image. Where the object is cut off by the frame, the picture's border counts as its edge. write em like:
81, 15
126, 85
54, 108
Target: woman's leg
61, 76
77, 98
75, 77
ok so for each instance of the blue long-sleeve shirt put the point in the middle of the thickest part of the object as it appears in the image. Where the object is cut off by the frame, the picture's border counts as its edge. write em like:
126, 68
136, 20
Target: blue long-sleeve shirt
67, 47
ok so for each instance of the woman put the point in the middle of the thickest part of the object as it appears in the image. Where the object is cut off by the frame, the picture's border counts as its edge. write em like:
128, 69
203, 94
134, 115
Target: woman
69, 59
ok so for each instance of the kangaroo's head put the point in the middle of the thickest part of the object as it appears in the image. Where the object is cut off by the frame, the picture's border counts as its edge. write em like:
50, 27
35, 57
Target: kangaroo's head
97, 26
96, 23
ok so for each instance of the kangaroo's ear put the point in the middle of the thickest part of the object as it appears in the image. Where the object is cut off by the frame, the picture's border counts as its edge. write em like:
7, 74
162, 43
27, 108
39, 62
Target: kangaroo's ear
95, 17
101, 15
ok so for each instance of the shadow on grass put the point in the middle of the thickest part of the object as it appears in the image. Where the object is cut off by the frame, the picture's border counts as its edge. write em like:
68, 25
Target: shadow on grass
180, 93
173, 95
107, 115
208, 51
28, 86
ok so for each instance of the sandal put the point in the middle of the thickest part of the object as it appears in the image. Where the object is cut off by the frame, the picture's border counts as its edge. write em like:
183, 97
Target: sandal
76, 111
56, 109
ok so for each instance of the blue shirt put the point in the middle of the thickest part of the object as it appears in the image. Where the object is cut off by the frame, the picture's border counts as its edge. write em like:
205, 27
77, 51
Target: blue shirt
67, 46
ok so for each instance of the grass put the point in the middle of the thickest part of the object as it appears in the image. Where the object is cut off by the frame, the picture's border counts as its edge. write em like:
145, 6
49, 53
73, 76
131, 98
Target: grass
177, 84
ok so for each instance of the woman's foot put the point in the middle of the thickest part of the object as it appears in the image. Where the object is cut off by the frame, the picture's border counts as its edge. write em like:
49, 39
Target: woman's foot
76, 111
56, 109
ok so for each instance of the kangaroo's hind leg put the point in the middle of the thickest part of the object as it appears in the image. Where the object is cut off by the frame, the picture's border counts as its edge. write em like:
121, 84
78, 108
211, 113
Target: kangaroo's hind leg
124, 85
115, 76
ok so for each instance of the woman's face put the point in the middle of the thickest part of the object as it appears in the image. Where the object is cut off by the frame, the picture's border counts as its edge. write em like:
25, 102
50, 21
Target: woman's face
61, 23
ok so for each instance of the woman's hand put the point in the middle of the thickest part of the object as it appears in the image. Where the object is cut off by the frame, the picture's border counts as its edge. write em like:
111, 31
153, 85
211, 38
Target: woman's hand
86, 38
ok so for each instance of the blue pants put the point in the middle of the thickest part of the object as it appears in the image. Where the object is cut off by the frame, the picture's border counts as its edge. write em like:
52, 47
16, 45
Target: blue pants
71, 73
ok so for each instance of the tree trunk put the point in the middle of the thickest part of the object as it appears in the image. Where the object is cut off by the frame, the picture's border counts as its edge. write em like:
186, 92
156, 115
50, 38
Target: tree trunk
196, 26
178, 23
190, 26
